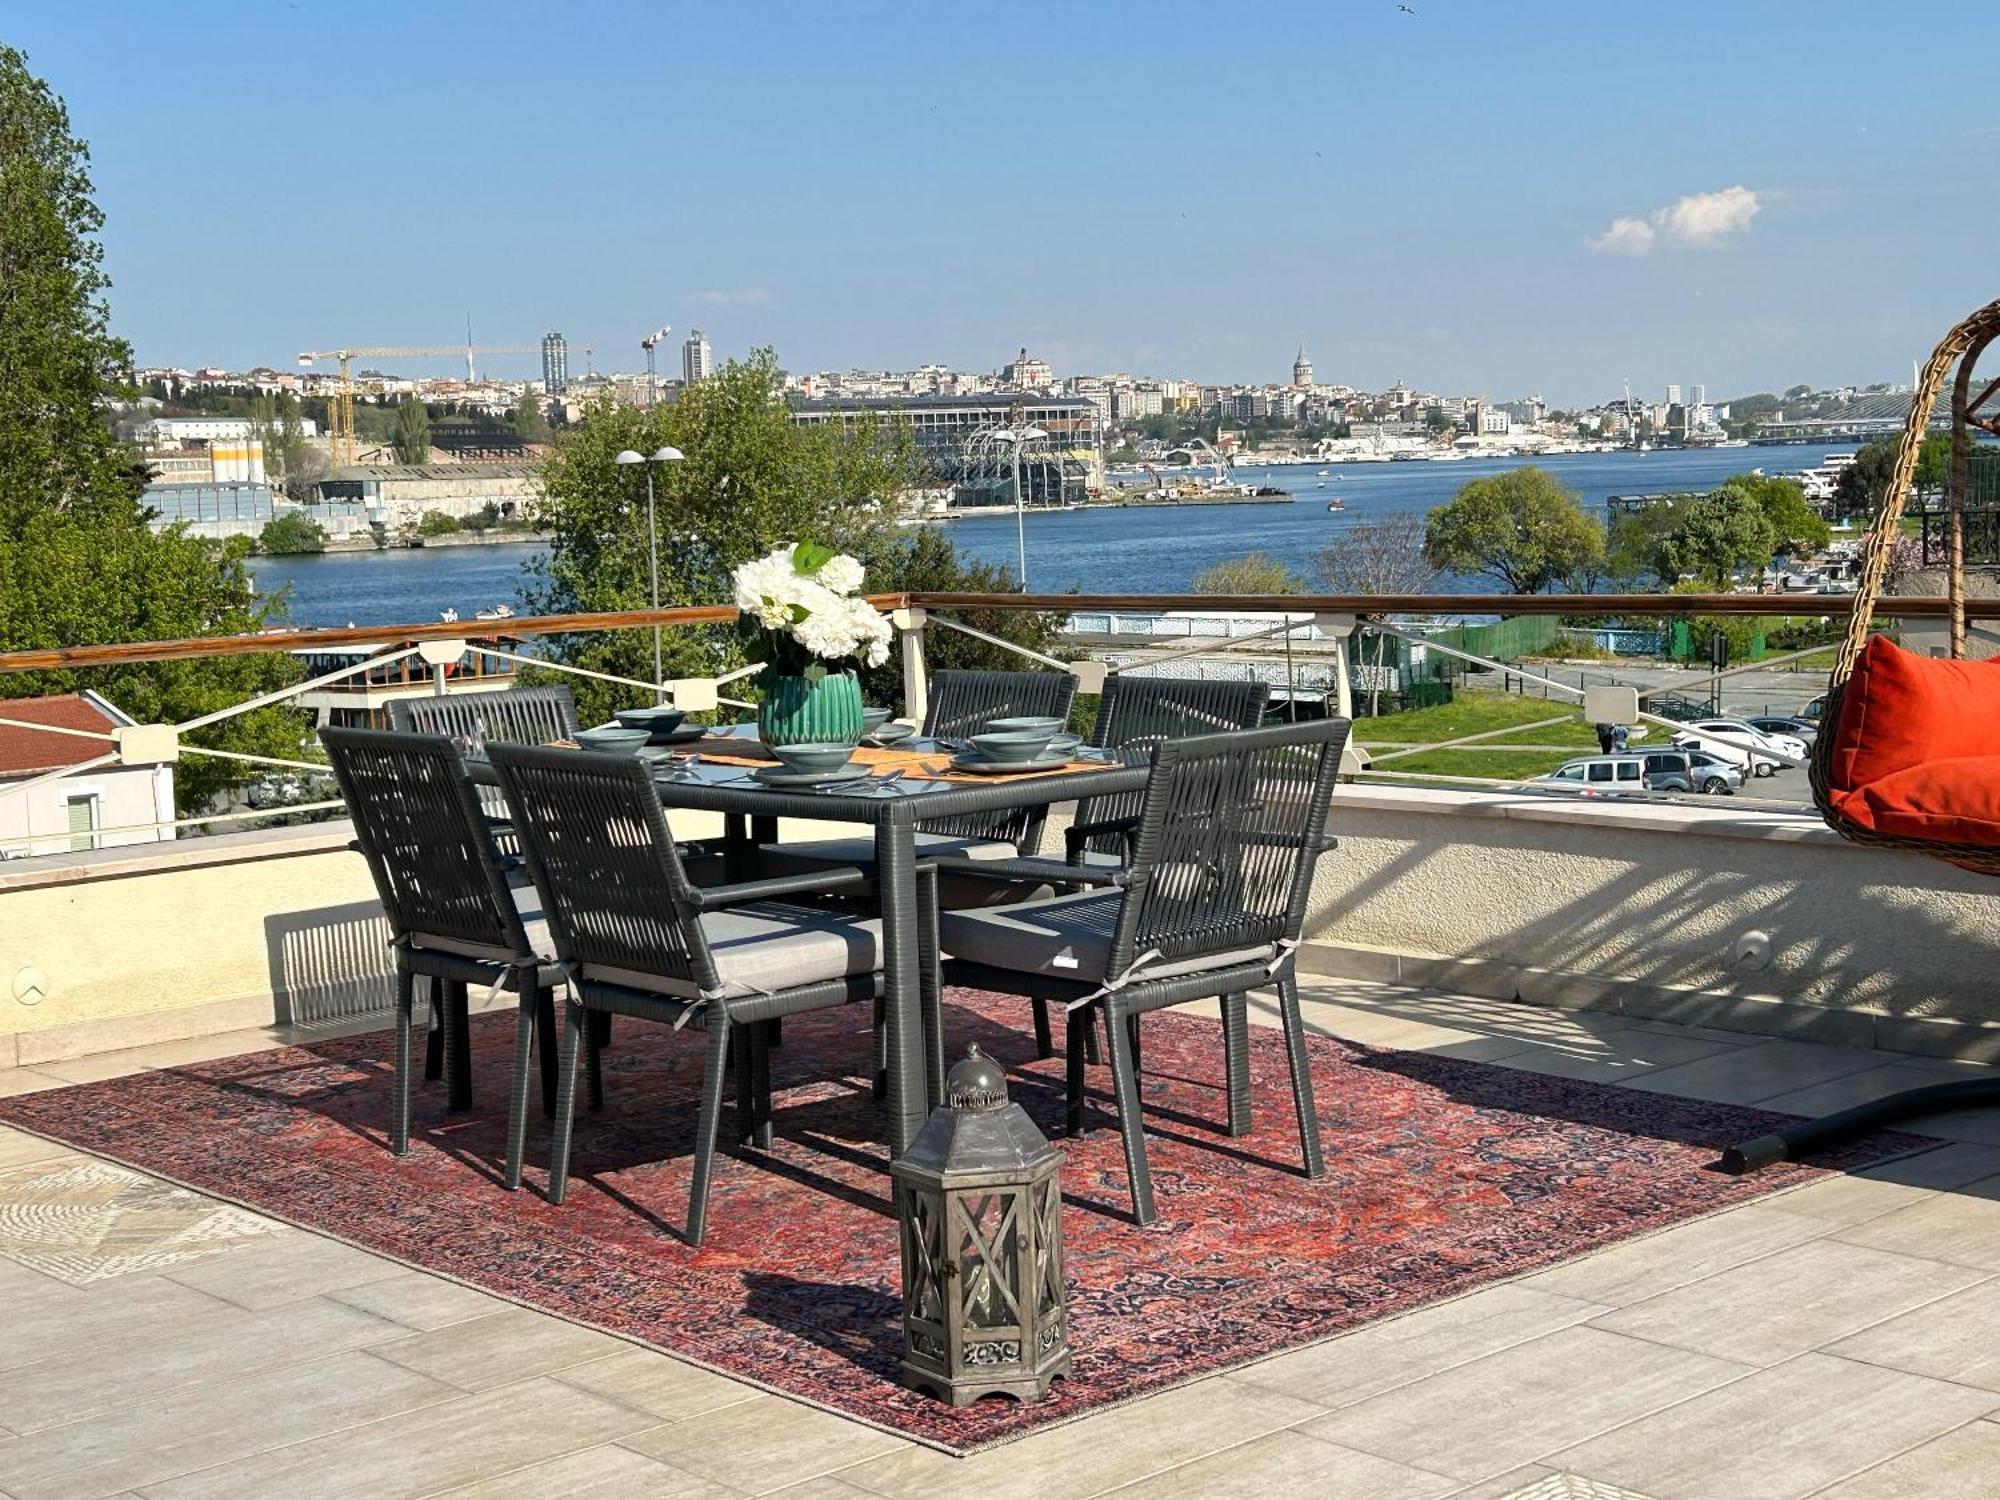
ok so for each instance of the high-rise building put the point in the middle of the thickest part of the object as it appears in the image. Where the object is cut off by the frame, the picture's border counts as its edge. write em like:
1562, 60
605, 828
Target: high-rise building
697, 359
555, 364
1302, 368
1697, 395
1673, 395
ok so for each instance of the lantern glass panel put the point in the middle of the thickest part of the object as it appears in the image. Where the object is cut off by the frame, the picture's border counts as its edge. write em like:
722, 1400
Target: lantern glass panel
989, 1259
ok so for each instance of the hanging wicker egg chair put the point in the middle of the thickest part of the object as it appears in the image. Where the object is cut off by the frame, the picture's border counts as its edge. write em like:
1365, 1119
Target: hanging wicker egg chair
1908, 756
1902, 775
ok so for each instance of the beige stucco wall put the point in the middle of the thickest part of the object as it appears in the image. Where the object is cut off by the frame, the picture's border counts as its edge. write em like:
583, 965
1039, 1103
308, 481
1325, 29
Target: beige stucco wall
1600, 904
1623, 907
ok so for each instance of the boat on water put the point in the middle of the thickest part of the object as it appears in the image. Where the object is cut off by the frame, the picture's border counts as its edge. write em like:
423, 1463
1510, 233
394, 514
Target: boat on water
497, 612
1336, 503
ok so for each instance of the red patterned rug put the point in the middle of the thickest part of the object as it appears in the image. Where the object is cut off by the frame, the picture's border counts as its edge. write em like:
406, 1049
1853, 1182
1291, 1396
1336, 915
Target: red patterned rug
1442, 1176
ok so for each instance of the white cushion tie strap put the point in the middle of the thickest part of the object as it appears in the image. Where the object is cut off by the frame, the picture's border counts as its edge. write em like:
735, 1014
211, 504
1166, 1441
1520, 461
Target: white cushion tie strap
1134, 972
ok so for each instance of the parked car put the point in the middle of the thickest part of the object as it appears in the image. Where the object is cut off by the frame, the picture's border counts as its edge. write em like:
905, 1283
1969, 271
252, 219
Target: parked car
1676, 706
1650, 771
1803, 730
1712, 775
1813, 710
1736, 742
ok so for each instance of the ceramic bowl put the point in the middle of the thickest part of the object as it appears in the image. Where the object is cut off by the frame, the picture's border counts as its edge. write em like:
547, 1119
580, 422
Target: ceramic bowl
659, 722
611, 739
1013, 746
1046, 727
873, 719
810, 759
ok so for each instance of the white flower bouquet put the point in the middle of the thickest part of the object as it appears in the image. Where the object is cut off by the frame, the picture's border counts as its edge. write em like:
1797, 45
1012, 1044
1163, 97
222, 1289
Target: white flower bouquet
802, 600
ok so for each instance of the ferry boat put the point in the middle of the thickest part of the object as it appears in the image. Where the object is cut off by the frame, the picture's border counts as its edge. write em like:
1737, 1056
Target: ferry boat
1336, 503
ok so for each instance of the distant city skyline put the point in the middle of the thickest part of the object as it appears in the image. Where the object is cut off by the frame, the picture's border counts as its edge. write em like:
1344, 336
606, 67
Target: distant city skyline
1465, 199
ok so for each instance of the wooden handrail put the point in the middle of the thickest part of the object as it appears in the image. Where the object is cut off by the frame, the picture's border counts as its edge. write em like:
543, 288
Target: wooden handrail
61, 658
1782, 605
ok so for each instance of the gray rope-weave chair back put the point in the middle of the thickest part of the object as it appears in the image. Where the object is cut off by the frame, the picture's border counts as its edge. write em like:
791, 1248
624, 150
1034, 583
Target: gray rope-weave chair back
512, 716
1230, 830
426, 842
597, 845
1142, 711
962, 702
505, 716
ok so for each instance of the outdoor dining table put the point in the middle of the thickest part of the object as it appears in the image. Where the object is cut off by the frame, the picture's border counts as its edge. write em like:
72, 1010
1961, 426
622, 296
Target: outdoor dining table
893, 806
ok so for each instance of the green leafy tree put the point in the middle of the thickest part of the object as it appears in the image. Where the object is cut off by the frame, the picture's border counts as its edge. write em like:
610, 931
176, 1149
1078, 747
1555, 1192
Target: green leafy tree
437, 523
751, 479
291, 533
529, 420
79, 563
1632, 541
1799, 530
413, 433
1253, 573
1715, 536
922, 560
1522, 527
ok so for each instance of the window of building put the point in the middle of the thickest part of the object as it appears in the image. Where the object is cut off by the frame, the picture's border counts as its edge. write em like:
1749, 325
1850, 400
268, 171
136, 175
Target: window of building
83, 824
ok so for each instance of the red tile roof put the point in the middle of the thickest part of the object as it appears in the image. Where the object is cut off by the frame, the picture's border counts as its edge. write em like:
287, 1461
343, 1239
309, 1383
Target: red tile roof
23, 752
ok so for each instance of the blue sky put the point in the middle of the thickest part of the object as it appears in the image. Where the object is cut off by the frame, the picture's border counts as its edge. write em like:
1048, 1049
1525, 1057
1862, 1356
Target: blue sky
1171, 189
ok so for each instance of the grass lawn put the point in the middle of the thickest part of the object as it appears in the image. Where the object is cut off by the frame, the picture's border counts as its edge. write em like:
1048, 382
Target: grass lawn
1479, 713
1502, 765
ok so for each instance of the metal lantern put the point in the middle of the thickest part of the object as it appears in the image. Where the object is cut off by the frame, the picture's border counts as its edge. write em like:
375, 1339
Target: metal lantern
979, 1198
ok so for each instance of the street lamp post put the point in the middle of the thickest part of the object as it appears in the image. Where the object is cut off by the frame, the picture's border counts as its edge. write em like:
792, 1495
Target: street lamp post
1015, 437
662, 455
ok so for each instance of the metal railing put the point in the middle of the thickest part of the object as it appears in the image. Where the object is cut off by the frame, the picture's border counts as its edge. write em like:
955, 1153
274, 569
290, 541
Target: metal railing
1313, 649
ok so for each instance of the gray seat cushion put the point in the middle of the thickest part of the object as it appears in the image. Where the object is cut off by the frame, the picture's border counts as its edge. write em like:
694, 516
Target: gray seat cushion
770, 946
529, 903
1067, 937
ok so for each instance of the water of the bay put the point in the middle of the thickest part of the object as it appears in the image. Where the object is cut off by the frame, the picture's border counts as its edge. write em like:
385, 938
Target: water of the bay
1112, 551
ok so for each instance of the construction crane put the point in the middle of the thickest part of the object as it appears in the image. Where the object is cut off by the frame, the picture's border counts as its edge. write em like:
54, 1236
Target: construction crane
340, 409
649, 343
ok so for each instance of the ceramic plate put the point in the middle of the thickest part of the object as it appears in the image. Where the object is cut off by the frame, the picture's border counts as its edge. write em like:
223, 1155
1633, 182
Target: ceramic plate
779, 776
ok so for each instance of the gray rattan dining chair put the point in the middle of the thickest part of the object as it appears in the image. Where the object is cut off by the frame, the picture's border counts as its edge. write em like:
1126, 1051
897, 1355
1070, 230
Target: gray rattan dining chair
1141, 711
961, 703
1211, 903
514, 716
637, 938
453, 917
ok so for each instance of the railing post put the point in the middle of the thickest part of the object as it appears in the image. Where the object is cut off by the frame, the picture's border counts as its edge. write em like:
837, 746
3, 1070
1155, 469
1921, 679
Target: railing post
909, 625
1341, 628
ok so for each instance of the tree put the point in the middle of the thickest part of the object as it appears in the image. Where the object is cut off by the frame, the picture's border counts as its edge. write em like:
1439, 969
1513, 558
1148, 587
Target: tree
291, 533
1798, 529
79, 563
437, 523
529, 421
1522, 527
1378, 557
413, 433
1632, 541
1714, 536
1865, 482
752, 478
922, 560
1252, 573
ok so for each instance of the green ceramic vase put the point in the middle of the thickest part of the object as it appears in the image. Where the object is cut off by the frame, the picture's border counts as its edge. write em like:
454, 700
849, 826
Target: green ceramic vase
796, 711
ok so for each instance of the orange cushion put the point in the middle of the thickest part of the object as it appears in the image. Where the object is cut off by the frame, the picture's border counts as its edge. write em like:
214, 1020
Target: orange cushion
1902, 710
1944, 802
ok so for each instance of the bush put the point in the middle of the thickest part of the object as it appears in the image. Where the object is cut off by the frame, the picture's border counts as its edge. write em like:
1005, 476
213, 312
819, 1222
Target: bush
437, 523
291, 533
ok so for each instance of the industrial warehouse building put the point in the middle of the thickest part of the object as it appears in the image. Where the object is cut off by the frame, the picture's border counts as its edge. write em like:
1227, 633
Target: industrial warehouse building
399, 494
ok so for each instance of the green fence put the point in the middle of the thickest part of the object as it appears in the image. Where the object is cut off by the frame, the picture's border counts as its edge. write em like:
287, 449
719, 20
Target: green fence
1504, 640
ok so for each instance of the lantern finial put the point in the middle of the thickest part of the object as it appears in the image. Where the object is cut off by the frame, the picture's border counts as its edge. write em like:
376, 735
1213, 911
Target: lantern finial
977, 1084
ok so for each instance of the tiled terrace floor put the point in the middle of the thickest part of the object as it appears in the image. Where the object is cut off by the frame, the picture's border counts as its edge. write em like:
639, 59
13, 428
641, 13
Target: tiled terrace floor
1842, 1341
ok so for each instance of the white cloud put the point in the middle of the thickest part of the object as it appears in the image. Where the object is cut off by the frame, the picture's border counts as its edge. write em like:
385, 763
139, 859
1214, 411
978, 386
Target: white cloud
1704, 220
1625, 237
1699, 221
